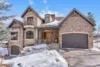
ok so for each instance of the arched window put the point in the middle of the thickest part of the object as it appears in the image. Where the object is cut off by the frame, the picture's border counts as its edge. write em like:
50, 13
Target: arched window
29, 35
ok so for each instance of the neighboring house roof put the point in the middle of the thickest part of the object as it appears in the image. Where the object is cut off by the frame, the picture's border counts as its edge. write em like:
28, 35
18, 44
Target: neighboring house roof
17, 21
80, 15
32, 10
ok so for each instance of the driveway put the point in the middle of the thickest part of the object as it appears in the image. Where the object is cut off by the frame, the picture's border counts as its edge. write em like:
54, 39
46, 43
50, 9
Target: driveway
82, 58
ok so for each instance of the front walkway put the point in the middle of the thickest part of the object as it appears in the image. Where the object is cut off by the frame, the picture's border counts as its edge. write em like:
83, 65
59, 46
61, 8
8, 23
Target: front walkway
82, 58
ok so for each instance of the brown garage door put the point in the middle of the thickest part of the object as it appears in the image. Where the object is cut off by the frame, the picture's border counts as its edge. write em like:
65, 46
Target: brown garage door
14, 50
74, 41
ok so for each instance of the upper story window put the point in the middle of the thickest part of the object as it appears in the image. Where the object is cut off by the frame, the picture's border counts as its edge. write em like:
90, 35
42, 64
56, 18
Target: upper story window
29, 20
29, 35
47, 18
14, 35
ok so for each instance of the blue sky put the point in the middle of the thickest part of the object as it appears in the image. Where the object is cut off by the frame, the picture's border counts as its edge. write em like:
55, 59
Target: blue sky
59, 7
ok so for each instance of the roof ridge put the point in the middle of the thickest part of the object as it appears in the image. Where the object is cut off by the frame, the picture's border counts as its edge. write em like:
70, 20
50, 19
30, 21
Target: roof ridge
29, 7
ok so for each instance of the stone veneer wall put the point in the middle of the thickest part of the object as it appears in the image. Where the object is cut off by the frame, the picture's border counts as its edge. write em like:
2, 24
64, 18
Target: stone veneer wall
76, 24
19, 41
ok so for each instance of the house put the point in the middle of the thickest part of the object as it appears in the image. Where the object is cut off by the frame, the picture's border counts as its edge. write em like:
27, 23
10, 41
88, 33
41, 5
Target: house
72, 31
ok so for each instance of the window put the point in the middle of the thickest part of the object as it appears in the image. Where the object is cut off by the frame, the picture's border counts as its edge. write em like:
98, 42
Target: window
29, 20
29, 35
47, 18
14, 35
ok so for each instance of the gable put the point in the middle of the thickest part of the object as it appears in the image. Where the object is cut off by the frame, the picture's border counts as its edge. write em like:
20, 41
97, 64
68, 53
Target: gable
29, 9
75, 20
75, 13
75, 23
15, 23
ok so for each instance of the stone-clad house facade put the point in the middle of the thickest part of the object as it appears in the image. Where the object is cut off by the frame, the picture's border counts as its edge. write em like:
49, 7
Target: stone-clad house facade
69, 32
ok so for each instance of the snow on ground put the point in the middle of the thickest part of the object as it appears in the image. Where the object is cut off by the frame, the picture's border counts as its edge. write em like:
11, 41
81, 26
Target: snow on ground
3, 51
34, 49
52, 24
96, 46
45, 59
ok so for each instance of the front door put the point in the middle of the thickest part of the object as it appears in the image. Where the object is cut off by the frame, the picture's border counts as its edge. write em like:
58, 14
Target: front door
47, 37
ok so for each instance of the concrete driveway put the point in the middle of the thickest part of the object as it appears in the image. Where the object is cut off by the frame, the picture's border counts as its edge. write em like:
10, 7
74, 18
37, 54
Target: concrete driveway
82, 58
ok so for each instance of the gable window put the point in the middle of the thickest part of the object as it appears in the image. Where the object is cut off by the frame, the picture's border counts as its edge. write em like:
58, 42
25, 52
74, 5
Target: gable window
14, 35
29, 20
29, 35
47, 18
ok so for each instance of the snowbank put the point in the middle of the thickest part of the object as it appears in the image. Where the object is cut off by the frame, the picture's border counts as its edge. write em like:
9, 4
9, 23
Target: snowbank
44, 59
52, 24
96, 46
95, 49
3, 51
34, 49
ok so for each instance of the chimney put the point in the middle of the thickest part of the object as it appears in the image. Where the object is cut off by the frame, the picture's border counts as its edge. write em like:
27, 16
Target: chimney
52, 17
47, 18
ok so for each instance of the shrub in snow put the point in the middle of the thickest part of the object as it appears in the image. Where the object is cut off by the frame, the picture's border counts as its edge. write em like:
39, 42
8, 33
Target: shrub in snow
54, 46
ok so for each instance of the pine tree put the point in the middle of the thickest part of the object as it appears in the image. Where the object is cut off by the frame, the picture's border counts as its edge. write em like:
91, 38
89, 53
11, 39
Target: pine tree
4, 33
4, 7
91, 17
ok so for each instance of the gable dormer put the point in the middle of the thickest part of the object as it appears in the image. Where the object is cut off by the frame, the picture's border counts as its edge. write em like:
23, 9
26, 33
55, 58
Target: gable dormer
31, 17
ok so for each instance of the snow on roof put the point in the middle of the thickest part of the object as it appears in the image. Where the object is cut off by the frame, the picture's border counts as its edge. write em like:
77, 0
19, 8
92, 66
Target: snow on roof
46, 59
52, 24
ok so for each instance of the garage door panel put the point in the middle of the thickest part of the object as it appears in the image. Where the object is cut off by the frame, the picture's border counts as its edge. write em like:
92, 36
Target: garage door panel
75, 41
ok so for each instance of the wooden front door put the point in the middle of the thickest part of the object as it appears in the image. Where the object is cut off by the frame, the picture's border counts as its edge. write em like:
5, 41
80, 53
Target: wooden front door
47, 36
